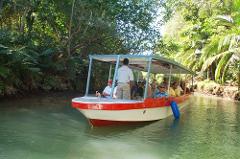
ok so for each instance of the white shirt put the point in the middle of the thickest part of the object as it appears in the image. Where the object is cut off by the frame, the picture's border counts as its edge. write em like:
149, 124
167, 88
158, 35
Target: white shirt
125, 74
115, 92
107, 90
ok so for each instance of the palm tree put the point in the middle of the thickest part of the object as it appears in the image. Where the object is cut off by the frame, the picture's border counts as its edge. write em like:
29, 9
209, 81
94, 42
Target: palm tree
224, 49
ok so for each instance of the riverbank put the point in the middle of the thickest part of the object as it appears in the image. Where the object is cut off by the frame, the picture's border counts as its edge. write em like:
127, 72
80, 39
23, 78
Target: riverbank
205, 88
210, 88
200, 94
26, 95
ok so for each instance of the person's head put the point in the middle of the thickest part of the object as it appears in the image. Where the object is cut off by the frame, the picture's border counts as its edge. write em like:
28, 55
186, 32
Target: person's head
175, 85
182, 84
165, 79
110, 82
125, 61
154, 83
162, 88
138, 83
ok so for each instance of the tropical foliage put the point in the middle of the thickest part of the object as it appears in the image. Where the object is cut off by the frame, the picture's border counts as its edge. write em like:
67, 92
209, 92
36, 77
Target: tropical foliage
44, 44
205, 36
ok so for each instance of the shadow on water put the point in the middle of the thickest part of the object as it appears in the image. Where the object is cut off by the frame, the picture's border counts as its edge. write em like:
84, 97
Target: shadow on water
151, 131
106, 131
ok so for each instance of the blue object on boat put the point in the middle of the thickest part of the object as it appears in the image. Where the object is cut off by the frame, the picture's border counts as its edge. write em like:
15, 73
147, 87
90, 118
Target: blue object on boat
175, 109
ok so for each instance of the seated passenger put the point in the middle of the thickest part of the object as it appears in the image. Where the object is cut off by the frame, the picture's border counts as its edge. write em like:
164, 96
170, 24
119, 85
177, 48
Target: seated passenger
178, 90
149, 90
184, 87
149, 93
140, 89
107, 91
134, 90
171, 91
154, 87
161, 91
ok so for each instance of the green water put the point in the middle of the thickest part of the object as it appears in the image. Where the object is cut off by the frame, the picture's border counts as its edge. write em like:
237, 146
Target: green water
46, 127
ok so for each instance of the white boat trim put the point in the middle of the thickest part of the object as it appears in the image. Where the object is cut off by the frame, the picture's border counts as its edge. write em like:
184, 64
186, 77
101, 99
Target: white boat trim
147, 114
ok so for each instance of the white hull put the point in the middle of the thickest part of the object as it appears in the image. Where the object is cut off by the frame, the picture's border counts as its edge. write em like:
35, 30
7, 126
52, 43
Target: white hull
147, 114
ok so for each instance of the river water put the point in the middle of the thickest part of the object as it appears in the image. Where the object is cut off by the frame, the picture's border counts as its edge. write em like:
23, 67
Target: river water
46, 127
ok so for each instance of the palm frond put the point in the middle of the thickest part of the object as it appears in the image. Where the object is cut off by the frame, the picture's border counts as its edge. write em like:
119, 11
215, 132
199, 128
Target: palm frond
224, 42
2, 47
221, 64
235, 40
229, 41
225, 71
192, 65
225, 20
210, 49
210, 60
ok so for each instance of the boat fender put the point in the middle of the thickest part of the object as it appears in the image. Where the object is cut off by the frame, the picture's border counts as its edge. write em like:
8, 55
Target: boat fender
175, 109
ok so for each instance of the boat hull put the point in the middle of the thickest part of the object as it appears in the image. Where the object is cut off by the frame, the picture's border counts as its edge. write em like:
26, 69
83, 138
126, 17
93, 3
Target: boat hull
102, 112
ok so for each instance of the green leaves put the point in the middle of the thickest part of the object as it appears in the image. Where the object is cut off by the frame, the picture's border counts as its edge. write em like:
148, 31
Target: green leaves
39, 39
4, 72
222, 66
211, 27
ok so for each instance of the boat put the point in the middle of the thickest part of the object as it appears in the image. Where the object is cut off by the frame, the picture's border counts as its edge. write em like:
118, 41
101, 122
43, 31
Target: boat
108, 111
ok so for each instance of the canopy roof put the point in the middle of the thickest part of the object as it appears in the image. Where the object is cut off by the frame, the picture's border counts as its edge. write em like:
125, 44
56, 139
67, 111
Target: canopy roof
159, 64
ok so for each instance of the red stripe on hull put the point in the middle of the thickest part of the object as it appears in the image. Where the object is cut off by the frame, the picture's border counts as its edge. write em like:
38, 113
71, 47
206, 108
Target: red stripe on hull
99, 123
147, 103
105, 106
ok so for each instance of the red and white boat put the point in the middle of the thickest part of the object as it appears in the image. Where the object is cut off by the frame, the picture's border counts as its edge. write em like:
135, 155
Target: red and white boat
104, 111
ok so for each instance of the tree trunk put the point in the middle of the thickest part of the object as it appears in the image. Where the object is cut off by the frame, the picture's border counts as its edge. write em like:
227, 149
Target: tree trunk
30, 21
21, 29
213, 68
238, 80
70, 30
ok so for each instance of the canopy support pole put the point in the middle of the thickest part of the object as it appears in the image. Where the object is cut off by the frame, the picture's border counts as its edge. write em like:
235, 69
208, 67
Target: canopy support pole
115, 75
169, 78
110, 72
89, 75
148, 75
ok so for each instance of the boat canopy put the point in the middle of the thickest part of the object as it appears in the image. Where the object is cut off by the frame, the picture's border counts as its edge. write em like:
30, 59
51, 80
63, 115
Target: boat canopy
158, 64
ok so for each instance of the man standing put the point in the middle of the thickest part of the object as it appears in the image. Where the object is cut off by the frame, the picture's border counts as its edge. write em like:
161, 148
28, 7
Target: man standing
125, 75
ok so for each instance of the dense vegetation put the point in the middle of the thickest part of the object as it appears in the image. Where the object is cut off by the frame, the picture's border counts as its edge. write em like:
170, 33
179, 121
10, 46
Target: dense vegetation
44, 44
205, 36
